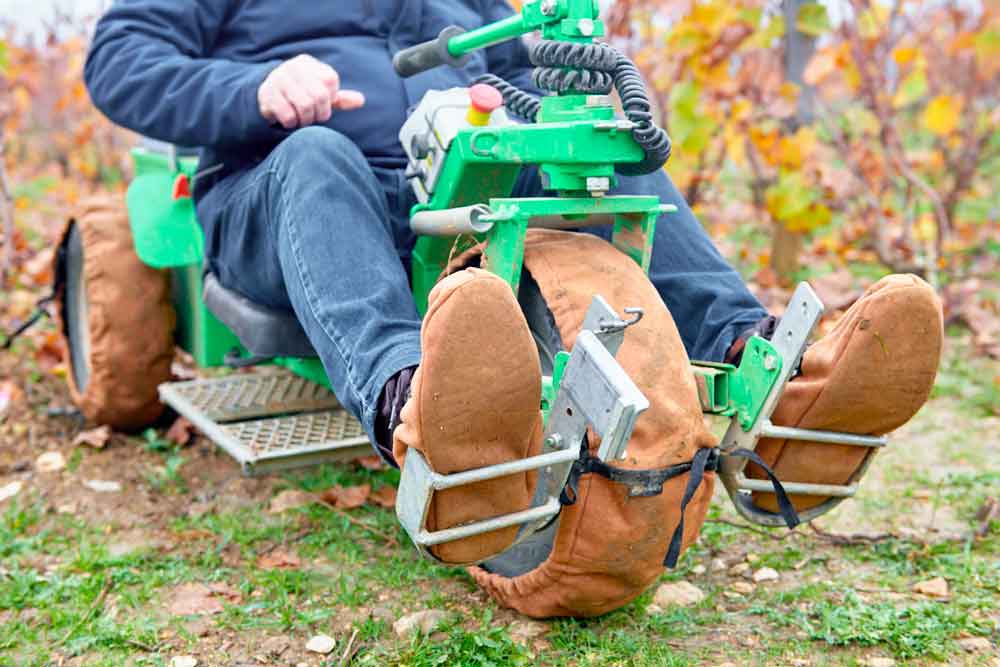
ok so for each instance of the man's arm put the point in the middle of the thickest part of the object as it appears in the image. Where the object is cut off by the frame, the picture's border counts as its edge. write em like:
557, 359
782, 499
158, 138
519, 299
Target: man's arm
508, 60
147, 70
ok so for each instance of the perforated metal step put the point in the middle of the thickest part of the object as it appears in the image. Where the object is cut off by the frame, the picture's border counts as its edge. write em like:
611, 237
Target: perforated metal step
269, 421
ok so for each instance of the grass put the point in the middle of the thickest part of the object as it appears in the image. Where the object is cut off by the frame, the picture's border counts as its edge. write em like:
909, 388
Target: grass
832, 606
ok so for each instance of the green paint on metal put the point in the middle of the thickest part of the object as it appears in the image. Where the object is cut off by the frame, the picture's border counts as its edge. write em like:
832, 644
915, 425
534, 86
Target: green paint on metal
199, 332
165, 231
740, 392
550, 385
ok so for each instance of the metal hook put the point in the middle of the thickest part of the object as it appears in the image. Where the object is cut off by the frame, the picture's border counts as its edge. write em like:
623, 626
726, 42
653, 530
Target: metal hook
613, 326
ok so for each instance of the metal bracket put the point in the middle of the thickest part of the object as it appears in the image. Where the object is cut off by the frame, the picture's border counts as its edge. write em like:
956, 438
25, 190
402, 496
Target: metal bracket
595, 392
789, 341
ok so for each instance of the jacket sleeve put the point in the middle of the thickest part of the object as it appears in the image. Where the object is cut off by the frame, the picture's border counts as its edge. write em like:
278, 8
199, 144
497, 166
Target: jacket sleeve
149, 70
508, 60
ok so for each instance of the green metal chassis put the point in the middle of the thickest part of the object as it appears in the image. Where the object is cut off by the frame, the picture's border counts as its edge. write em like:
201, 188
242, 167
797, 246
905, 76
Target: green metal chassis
167, 236
576, 144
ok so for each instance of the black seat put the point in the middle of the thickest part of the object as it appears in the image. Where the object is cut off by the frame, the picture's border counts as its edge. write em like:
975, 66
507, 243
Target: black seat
264, 332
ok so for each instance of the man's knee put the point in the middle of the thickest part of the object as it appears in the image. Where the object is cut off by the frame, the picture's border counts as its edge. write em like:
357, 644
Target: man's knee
318, 149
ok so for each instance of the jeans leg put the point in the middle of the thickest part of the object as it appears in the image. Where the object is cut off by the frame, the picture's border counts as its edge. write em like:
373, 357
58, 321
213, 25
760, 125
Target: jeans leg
707, 297
309, 229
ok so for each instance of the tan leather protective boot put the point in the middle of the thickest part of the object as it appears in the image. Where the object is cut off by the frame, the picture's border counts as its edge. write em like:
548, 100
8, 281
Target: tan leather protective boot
475, 401
869, 375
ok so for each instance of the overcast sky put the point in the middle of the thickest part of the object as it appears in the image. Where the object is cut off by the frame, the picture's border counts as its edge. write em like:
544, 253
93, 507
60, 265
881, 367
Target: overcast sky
28, 16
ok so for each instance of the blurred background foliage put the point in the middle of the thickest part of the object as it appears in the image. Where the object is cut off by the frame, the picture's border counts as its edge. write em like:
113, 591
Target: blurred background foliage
834, 146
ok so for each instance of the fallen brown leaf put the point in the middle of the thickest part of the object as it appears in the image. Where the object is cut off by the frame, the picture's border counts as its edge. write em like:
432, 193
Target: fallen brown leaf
95, 437
10, 393
181, 431
372, 462
935, 588
290, 499
191, 599
384, 496
279, 559
346, 497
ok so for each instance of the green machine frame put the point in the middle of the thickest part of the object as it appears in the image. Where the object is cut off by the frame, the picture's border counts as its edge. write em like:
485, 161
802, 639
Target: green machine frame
576, 144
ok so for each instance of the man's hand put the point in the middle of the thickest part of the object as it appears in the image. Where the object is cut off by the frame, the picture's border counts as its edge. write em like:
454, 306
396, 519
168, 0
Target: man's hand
303, 91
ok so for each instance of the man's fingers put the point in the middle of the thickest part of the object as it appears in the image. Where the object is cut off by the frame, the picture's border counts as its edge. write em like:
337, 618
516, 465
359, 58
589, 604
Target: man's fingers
309, 82
347, 100
303, 91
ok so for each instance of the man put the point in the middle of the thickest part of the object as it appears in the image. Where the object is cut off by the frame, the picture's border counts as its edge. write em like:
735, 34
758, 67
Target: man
297, 104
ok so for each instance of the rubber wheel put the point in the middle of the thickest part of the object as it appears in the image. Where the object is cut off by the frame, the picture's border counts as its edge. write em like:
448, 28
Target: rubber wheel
76, 309
533, 550
116, 317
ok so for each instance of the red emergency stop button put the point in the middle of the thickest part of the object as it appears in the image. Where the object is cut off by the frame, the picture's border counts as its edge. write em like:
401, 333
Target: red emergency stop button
182, 187
485, 99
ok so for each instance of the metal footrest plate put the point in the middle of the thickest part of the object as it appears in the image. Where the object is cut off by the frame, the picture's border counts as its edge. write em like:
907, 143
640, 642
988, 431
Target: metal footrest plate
269, 421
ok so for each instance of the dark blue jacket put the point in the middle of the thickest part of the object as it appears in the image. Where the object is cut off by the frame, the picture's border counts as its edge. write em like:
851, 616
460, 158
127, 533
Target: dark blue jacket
187, 71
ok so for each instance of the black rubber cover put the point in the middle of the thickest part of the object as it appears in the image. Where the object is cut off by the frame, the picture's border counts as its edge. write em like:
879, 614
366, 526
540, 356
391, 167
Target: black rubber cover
428, 55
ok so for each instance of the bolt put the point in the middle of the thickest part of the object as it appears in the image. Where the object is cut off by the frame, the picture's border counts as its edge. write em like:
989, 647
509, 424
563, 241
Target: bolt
770, 363
553, 441
548, 7
586, 27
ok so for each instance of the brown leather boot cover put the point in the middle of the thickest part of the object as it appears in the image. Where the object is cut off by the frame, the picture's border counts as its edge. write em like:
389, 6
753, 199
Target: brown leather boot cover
474, 402
130, 317
869, 375
609, 547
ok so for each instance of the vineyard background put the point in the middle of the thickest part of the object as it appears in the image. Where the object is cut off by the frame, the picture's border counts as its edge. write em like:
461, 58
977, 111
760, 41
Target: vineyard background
829, 146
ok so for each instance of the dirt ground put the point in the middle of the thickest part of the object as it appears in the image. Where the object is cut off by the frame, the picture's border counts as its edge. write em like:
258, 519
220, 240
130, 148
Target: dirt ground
142, 552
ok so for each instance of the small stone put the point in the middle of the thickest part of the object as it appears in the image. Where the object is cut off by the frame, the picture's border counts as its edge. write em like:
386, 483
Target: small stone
752, 558
523, 631
10, 490
102, 486
765, 574
975, 644
423, 622
877, 662
50, 462
678, 593
935, 588
742, 587
717, 565
739, 569
698, 569
183, 661
321, 644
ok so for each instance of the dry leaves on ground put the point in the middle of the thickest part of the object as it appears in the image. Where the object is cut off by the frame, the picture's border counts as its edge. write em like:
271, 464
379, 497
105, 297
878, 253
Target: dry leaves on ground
181, 432
95, 437
279, 559
290, 499
191, 599
346, 497
372, 462
384, 496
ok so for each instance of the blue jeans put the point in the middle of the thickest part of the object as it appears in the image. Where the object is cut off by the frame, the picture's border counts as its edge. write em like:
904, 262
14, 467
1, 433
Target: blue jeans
315, 229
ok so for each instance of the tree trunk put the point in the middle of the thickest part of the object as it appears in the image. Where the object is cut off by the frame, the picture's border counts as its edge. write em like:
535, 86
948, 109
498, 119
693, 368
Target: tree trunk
799, 48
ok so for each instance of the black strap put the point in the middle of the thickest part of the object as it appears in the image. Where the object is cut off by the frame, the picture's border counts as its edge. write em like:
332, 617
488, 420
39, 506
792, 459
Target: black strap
39, 313
640, 483
785, 506
58, 285
698, 466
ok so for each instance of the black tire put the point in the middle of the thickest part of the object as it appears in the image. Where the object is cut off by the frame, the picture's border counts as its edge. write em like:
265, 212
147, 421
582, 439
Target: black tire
75, 312
533, 550
116, 318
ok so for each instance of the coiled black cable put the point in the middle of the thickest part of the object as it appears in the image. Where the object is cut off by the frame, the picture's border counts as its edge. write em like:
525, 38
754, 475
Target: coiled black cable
593, 69
521, 104
570, 67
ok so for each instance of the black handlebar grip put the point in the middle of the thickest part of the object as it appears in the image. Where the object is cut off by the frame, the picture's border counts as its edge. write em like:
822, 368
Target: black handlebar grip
428, 55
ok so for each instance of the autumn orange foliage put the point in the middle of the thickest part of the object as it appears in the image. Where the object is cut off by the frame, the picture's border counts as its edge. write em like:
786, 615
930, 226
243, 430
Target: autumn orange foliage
878, 150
